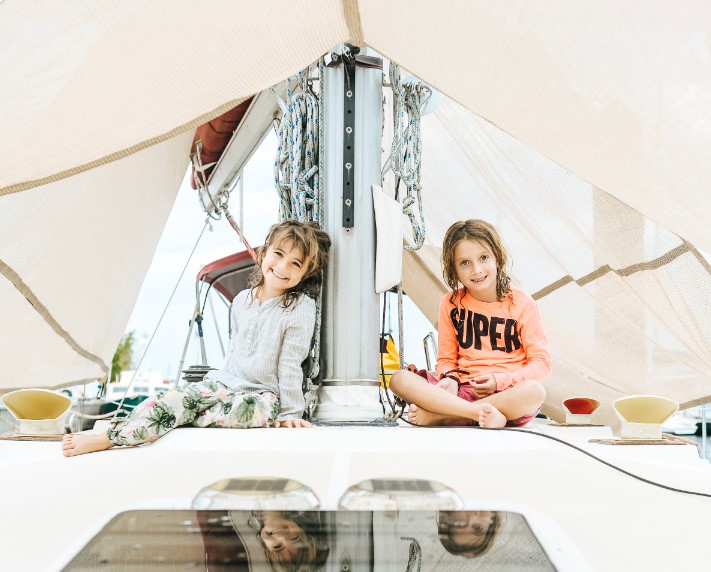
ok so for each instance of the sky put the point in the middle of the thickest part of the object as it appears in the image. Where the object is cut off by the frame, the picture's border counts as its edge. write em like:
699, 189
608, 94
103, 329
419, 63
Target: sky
177, 241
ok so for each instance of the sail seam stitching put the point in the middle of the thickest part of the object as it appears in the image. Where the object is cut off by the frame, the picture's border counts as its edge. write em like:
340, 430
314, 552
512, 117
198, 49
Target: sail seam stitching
26, 185
42, 310
627, 271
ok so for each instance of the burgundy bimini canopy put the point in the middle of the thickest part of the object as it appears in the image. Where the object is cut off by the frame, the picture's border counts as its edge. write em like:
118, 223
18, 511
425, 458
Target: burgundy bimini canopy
228, 275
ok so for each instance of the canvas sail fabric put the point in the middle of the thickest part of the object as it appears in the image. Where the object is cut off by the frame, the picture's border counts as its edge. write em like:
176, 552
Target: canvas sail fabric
616, 97
73, 255
617, 94
624, 302
99, 107
91, 83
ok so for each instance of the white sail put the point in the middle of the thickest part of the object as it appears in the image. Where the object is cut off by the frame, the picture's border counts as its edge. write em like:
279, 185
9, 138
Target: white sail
623, 299
73, 257
602, 115
611, 103
618, 97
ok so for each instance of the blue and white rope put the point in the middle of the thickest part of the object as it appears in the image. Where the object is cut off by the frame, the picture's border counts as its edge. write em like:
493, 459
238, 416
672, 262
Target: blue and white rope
295, 166
406, 149
297, 177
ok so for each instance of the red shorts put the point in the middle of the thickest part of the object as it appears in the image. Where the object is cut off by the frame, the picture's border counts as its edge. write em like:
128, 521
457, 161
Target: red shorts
466, 392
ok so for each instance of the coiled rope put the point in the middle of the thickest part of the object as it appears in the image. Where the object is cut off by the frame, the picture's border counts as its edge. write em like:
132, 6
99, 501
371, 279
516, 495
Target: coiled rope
296, 165
297, 177
406, 149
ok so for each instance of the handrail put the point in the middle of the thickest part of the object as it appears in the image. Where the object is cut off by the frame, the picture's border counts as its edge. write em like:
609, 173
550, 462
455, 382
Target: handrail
433, 344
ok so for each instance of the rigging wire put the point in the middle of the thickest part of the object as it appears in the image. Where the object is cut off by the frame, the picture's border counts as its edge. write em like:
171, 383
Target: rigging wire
167, 305
219, 208
217, 326
238, 230
580, 450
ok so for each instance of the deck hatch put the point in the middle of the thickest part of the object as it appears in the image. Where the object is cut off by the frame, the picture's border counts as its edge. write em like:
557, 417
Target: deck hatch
257, 485
393, 485
256, 493
364, 540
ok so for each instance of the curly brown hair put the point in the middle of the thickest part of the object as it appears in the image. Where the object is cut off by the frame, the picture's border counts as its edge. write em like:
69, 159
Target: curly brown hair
478, 231
312, 550
313, 242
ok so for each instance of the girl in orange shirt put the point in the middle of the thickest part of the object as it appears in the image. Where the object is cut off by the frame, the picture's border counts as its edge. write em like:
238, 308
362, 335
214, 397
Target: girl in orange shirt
493, 352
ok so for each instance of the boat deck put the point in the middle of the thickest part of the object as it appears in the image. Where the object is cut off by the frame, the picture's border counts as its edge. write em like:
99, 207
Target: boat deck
584, 513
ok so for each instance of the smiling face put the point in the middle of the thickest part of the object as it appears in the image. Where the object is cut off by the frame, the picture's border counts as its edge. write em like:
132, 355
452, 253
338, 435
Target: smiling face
462, 239
283, 268
475, 266
282, 536
469, 528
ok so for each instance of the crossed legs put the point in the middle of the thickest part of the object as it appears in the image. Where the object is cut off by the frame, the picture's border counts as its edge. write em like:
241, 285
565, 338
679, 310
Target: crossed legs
432, 405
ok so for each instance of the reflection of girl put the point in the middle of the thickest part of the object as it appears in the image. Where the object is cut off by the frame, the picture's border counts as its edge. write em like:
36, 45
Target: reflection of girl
468, 533
292, 541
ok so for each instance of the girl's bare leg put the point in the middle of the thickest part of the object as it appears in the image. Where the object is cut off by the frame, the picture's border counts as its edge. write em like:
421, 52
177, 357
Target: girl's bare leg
79, 444
518, 400
421, 416
440, 406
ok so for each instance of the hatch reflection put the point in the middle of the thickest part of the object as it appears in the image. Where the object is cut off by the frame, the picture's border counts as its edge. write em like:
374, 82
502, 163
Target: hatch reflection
280, 541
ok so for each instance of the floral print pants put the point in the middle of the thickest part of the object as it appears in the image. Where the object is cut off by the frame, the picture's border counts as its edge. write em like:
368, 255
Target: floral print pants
203, 404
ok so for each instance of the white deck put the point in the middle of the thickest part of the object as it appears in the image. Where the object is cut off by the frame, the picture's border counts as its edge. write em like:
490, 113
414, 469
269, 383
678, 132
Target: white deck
583, 512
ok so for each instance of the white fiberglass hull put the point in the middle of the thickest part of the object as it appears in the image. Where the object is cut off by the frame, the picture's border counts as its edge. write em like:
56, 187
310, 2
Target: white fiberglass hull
586, 515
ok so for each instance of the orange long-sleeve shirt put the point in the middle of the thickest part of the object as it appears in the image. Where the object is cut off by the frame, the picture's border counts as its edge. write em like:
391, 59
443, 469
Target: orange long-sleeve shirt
505, 338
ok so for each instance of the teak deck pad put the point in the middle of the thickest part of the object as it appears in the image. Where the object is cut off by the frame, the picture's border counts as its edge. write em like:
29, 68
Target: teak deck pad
576, 425
17, 437
663, 441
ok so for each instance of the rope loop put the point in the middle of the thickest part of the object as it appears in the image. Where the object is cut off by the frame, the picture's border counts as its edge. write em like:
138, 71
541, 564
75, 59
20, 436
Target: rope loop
406, 149
296, 170
213, 210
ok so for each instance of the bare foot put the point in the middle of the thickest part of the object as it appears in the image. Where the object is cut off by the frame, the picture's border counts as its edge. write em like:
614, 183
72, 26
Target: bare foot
420, 416
73, 445
491, 417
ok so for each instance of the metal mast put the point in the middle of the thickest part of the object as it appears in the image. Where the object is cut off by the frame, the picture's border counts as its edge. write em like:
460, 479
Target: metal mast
353, 118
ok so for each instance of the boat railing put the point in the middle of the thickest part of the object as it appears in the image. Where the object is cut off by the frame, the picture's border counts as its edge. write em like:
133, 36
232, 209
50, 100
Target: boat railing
430, 344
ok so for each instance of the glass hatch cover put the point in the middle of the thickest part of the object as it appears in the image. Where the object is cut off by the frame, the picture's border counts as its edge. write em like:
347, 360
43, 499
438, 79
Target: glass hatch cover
344, 541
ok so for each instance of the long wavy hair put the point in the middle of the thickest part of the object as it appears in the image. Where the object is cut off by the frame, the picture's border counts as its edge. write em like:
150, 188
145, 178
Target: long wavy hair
477, 231
311, 555
313, 242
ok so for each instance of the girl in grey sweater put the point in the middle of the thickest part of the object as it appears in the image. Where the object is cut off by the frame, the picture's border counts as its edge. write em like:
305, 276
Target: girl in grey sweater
260, 384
